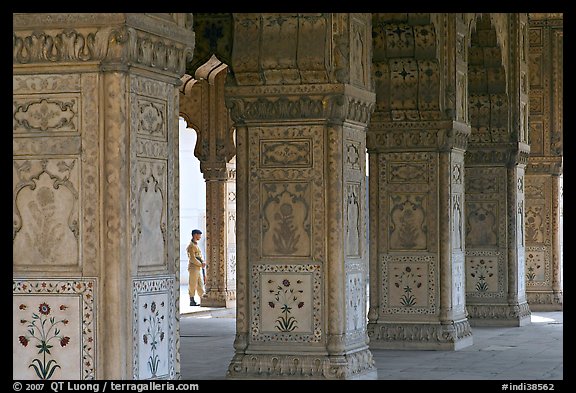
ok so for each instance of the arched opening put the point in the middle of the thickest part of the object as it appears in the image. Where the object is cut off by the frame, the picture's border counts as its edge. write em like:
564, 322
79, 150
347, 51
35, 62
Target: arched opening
192, 199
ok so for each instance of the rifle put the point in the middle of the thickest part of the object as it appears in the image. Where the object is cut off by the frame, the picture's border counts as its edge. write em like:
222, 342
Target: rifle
203, 270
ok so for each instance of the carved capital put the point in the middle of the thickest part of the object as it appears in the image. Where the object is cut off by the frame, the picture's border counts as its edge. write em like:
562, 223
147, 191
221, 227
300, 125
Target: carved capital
214, 170
334, 102
551, 165
502, 153
385, 136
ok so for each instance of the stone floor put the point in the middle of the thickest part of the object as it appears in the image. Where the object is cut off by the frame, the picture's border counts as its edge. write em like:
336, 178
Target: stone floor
529, 353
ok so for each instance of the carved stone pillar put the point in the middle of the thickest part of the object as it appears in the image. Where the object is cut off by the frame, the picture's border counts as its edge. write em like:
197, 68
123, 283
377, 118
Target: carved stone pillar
220, 289
495, 162
544, 288
95, 192
300, 108
416, 153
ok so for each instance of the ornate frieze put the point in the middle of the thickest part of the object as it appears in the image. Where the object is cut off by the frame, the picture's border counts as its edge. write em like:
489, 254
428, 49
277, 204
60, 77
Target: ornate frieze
131, 39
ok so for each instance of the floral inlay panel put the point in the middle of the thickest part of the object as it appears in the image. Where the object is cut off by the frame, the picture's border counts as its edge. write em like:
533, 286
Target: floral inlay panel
154, 331
355, 302
484, 274
538, 267
286, 305
54, 330
409, 285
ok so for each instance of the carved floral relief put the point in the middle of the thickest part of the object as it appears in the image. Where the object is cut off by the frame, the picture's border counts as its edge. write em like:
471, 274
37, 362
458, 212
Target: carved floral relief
407, 222
53, 113
286, 219
482, 224
45, 215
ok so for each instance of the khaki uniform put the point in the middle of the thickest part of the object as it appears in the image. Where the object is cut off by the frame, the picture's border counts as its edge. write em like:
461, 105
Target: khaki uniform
195, 279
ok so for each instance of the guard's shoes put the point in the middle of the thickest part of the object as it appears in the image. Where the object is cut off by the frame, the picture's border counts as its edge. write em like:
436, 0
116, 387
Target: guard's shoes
193, 302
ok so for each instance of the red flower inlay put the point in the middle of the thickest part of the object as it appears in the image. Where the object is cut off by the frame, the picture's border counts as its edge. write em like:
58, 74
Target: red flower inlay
22, 307
64, 341
23, 340
44, 309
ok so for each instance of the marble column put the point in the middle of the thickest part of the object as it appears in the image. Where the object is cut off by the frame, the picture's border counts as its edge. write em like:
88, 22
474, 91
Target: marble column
95, 241
495, 163
544, 172
300, 105
416, 143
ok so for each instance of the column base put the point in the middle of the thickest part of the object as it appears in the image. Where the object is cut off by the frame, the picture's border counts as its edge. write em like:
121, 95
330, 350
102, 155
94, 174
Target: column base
513, 315
218, 299
357, 365
420, 336
545, 300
